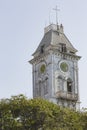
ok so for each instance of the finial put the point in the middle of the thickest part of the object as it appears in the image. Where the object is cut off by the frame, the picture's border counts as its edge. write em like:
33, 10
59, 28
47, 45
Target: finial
56, 10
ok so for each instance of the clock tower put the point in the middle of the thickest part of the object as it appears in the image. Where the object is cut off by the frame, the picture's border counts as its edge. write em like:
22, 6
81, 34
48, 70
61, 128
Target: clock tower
55, 69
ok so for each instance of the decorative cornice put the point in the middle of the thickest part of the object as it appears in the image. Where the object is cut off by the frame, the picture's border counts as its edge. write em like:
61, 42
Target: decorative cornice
39, 58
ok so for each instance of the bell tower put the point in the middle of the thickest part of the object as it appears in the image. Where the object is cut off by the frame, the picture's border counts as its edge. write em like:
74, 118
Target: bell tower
55, 69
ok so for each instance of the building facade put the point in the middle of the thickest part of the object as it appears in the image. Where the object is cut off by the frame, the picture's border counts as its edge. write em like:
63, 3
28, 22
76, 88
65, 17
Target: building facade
55, 69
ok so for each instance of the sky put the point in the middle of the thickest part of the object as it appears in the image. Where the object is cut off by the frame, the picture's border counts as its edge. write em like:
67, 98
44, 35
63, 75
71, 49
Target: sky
22, 25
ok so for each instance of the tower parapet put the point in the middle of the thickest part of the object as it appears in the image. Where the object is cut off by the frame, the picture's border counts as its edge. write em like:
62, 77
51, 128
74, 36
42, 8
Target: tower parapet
54, 27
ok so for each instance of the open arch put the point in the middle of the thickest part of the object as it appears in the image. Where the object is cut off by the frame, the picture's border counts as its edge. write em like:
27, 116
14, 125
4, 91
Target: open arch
69, 85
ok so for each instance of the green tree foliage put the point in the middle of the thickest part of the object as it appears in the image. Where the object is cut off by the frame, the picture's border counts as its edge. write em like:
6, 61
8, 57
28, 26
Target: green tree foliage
20, 113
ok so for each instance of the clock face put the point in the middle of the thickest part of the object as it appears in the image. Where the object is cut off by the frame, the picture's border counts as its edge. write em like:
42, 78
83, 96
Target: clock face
42, 68
64, 66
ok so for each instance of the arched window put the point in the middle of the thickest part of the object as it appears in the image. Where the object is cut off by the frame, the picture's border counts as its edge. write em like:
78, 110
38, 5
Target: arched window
39, 87
46, 85
60, 82
69, 85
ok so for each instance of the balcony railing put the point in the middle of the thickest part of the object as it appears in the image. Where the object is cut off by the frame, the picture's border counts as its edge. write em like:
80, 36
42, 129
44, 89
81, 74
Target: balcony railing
67, 95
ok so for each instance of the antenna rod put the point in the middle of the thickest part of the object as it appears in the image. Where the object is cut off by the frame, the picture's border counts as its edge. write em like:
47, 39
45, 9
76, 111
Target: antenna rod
49, 18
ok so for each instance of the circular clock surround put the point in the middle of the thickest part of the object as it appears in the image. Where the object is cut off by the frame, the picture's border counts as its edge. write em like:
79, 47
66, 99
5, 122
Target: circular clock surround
42, 68
64, 66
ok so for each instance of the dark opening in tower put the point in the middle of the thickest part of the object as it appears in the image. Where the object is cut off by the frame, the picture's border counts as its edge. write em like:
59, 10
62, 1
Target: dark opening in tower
69, 86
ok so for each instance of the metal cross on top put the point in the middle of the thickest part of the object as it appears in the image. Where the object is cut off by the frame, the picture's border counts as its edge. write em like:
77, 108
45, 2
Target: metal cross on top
56, 9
